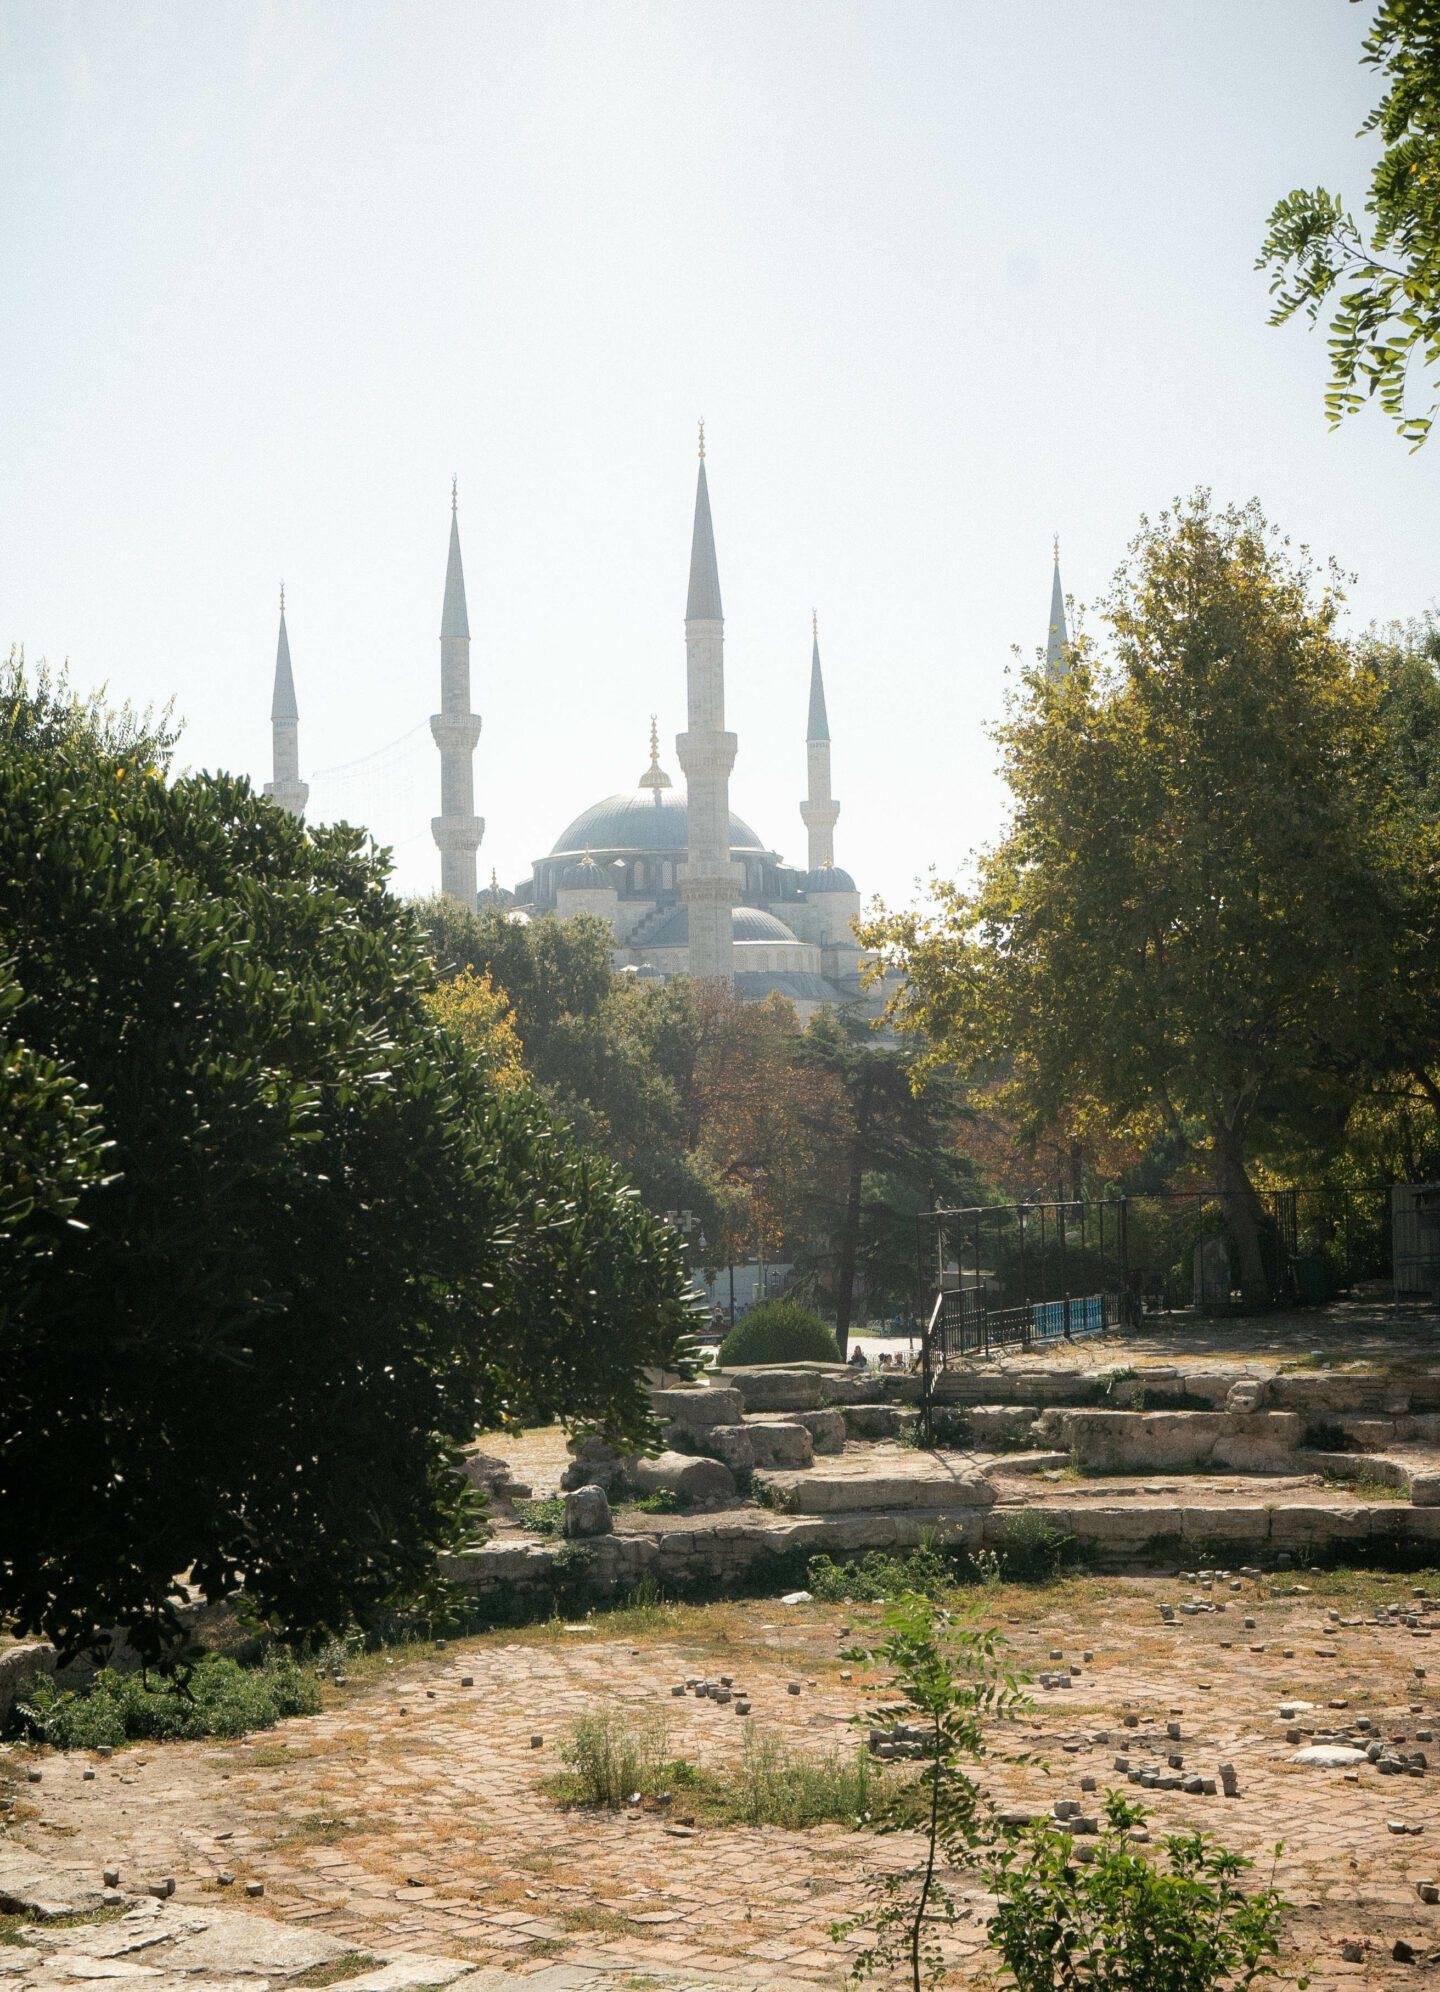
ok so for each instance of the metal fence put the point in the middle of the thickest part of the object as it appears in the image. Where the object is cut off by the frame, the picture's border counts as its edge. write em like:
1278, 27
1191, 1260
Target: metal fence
1004, 1276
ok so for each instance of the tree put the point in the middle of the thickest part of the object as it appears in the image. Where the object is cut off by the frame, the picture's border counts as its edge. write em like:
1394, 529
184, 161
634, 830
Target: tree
319, 1247
479, 1014
1384, 279
1190, 926
888, 1138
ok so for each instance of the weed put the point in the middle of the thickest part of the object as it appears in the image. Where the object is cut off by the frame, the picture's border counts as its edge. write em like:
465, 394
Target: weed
336, 1972
218, 1698
613, 1755
776, 1786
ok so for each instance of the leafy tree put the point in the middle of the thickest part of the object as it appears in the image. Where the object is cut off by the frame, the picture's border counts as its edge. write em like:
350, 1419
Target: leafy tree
479, 1014
1382, 279
948, 1680
888, 1130
319, 1248
1189, 928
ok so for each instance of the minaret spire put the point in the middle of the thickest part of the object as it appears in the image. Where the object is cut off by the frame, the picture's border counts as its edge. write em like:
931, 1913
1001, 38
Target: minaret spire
819, 809
287, 790
457, 830
709, 884
1057, 641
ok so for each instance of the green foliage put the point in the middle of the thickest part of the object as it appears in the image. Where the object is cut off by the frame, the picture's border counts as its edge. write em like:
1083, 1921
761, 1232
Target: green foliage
322, 1248
1190, 927
948, 1680
1124, 1923
218, 1697
773, 1784
1383, 283
1033, 1552
614, 1753
778, 1331
875, 1578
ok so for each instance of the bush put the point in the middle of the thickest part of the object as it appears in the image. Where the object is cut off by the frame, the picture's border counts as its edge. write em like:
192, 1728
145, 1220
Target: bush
1124, 1922
778, 1331
219, 1698
272, 1245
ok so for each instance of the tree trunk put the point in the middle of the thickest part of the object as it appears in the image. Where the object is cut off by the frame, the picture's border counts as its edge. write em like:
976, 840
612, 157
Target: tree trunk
849, 1252
1243, 1214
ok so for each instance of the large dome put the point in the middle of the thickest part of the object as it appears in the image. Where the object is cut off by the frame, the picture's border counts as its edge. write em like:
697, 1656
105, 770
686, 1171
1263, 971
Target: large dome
747, 923
644, 820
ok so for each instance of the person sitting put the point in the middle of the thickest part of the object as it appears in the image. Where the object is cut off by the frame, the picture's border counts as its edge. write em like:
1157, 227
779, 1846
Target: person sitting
857, 1358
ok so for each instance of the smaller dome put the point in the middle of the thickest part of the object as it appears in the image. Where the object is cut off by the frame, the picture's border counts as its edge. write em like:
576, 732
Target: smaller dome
747, 923
584, 877
830, 878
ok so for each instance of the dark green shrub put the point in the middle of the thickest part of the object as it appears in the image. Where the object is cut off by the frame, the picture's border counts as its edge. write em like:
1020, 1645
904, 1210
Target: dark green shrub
316, 1251
219, 1698
778, 1331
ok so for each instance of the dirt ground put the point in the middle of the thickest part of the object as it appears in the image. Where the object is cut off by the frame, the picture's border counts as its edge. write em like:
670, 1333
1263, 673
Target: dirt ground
411, 1813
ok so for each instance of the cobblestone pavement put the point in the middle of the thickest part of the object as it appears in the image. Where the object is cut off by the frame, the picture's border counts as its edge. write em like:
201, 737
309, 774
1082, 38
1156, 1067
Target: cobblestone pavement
410, 1815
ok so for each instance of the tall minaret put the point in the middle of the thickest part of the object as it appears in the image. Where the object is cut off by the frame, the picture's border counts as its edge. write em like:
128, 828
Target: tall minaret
819, 809
709, 884
287, 790
457, 830
1058, 640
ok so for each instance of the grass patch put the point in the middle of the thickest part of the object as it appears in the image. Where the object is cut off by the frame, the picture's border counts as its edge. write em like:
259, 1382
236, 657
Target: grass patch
11, 1924
617, 1756
218, 1698
1363, 1485
336, 1972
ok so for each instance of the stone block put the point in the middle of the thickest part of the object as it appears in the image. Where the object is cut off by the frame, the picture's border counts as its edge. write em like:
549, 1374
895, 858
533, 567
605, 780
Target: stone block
767, 1388
779, 1442
878, 1421
995, 1425
826, 1429
734, 1445
705, 1482
587, 1513
20, 1667
1225, 1525
697, 1410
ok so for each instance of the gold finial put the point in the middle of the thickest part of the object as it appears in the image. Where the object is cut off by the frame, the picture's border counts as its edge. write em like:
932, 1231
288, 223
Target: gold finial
815, 625
282, 598
1057, 549
494, 879
655, 776
702, 439
454, 495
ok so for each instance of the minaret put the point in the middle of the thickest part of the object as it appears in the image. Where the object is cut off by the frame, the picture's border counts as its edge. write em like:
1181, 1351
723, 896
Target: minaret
287, 790
819, 809
457, 830
709, 884
1058, 640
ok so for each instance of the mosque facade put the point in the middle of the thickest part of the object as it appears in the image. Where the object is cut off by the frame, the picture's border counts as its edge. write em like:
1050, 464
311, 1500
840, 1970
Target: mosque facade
684, 884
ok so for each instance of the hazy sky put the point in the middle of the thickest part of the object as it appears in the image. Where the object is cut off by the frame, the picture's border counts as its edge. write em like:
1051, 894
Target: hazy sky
943, 279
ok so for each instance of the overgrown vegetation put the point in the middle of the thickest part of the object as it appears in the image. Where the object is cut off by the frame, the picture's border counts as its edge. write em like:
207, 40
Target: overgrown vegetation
217, 1697
617, 1757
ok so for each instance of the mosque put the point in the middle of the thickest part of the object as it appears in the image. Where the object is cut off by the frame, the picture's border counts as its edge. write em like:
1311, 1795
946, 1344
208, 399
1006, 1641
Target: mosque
684, 884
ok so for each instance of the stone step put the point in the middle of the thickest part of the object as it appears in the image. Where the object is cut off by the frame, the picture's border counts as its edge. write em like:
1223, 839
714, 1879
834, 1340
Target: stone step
1175, 1441
878, 1421
930, 1485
